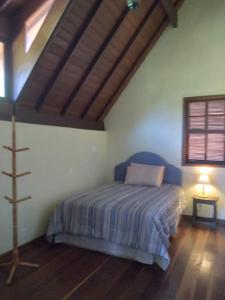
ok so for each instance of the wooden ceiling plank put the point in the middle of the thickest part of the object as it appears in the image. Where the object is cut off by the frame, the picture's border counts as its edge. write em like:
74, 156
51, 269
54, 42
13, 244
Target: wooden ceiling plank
95, 60
26, 65
170, 10
119, 59
137, 63
4, 3
68, 54
5, 27
134, 67
28, 115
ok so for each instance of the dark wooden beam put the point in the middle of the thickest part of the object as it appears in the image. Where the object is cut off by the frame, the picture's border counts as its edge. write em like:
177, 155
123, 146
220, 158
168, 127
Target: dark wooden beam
68, 54
28, 115
95, 60
119, 59
170, 10
5, 27
153, 39
4, 3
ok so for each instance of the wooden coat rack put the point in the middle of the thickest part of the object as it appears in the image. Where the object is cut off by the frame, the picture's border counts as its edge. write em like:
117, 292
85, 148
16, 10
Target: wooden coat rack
16, 261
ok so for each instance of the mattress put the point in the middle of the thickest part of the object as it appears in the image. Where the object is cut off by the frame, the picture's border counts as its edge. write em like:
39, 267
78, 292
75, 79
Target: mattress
124, 220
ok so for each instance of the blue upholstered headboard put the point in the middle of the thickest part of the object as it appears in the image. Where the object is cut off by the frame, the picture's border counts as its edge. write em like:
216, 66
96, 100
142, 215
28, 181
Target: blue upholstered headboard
173, 174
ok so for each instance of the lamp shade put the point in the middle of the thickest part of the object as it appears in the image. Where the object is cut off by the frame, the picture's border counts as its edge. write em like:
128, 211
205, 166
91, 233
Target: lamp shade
204, 179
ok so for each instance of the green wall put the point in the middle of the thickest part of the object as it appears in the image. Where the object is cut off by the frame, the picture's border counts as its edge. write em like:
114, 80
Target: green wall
61, 160
187, 61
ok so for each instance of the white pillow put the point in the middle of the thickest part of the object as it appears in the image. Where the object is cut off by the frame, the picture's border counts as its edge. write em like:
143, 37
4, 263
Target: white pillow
140, 174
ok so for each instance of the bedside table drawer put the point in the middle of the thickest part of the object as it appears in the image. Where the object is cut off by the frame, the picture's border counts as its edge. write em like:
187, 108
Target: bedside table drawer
204, 201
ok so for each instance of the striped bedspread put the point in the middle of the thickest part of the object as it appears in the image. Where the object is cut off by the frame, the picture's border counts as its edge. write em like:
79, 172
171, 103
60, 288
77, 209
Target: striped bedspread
136, 216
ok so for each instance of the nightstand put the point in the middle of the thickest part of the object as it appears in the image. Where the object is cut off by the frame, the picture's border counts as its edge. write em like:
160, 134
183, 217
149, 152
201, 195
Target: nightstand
205, 201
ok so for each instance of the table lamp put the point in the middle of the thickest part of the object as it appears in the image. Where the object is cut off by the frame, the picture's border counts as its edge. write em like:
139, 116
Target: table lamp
204, 179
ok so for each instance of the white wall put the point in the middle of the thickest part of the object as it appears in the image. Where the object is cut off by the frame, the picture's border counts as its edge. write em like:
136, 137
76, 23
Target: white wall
62, 161
187, 61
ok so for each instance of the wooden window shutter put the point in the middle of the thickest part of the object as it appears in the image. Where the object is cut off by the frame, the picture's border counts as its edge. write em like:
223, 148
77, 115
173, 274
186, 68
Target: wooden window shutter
204, 131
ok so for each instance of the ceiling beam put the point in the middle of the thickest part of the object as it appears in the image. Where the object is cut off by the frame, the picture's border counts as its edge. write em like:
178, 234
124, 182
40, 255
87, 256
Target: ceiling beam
170, 11
119, 59
94, 62
4, 4
5, 27
28, 115
68, 54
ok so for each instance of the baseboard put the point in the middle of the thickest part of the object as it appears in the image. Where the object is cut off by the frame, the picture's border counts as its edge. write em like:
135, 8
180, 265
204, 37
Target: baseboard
188, 218
21, 247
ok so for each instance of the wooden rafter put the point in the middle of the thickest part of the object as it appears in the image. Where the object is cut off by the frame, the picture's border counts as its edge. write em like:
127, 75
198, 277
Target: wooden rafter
28, 115
76, 86
4, 3
68, 54
8, 4
5, 27
170, 10
119, 59
94, 62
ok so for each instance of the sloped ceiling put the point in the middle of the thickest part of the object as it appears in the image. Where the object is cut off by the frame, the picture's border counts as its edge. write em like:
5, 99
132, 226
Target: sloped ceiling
90, 57
11, 6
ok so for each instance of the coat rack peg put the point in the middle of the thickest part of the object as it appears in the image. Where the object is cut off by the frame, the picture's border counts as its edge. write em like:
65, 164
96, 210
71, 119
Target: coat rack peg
16, 261
17, 150
7, 174
24, 199
8, 199
17, 175
22, 149
8, 148
6, 264
23, 174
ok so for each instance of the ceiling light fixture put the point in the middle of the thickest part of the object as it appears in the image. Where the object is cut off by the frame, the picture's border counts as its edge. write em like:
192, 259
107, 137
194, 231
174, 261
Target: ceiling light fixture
132, 4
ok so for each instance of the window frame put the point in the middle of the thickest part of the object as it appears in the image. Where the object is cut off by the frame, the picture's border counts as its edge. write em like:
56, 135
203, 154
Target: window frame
42, 11
185, 160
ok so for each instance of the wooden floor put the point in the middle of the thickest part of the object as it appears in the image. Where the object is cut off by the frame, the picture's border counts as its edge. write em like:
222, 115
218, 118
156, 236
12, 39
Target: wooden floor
197, 271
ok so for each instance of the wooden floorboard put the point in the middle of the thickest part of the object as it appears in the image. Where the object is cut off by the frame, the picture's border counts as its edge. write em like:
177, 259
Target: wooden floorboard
40, 253
196, 272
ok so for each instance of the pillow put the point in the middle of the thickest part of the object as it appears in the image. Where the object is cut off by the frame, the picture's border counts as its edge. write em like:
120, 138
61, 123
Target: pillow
140, 174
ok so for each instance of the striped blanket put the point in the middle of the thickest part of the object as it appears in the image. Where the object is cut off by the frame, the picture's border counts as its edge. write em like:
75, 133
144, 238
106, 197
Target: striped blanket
136, 216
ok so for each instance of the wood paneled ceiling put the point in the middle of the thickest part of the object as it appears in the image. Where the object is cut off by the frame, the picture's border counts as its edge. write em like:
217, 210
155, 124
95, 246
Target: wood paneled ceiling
89, 59
11, 6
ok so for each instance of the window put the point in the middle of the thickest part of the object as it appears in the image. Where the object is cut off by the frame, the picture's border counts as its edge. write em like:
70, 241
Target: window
204, 130
35, 22
2, 70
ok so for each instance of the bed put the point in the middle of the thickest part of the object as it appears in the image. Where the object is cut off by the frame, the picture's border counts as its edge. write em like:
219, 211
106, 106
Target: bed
129, 221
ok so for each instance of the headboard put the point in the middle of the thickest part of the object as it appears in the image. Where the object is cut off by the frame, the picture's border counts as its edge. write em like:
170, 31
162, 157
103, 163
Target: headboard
173, 174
